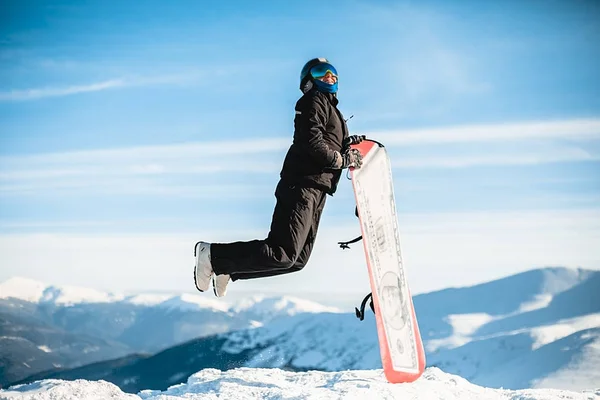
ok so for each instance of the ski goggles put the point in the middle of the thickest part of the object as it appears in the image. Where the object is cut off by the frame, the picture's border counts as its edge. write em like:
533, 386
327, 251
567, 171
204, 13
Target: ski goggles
320, 70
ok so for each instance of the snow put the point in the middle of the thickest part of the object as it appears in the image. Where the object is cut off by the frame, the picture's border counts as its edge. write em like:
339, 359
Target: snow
543, 340
467, 324
580, 371
276, 384
337, 342
69, 295
260, 307
274, 306
146, 299
333, 341
567, 363
54, 389
499, 359
540, 301
463, 326
39, 292
23, 289
192, 302
17, 338
549, 333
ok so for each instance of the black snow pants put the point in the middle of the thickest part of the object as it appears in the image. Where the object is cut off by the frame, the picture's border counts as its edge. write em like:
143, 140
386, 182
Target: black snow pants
289, 243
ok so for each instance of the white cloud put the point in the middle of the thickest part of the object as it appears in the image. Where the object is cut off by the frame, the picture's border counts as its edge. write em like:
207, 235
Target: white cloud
127, 186
575, 129
31, 94
566, 155
148, 154
439, 250
154, 169
40, 93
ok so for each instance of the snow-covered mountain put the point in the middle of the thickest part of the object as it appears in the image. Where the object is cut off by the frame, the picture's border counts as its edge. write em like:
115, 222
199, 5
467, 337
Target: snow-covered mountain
276, 384
266, 308
535, 329
260, 306
540, 328
28, 345
491, 348
38, 292
45, 326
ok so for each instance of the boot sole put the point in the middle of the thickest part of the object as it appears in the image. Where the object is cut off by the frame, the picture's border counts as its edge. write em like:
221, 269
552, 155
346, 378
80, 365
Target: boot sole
196, 282
195, 267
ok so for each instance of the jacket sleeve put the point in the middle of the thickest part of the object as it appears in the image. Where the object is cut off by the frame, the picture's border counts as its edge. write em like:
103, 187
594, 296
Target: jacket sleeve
311, 119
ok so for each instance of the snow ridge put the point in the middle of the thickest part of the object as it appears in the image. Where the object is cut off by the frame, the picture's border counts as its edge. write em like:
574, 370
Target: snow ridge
38, 292
276, 384
276, 306
260, 307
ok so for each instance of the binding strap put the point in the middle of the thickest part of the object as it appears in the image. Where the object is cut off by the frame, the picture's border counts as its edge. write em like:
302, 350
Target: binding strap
360, 314
345, 245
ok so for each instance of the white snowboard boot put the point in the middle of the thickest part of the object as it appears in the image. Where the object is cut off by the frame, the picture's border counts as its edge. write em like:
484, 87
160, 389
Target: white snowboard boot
203, 269
220, 284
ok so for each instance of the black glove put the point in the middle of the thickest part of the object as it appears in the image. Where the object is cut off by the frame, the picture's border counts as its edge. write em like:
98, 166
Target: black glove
354, 139
351, 158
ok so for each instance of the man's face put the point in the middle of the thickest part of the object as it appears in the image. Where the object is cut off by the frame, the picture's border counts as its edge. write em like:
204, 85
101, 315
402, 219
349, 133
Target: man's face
329, 78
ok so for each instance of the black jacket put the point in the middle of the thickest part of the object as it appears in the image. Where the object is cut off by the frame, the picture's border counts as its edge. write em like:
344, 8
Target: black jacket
319, 131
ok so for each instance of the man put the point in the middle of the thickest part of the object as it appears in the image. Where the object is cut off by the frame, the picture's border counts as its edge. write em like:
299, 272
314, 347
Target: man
311, 170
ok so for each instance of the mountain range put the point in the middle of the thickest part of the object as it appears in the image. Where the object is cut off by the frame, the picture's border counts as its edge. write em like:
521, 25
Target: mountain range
540, 328
45, 327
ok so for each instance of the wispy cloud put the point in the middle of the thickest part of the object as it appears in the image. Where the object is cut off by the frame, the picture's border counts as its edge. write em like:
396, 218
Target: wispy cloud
568, 155
165, 169
90, 187
45, 92
562, 129
254, 164
146, 154
576, 129
32, 94
463, 243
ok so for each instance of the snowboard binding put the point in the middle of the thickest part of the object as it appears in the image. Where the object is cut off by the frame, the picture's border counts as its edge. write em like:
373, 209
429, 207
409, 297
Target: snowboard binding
360, 314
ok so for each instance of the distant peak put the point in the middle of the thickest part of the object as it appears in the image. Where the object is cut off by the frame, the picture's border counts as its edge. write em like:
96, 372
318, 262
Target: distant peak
23, 289
21, 281
284, 305
191, 302
34, 291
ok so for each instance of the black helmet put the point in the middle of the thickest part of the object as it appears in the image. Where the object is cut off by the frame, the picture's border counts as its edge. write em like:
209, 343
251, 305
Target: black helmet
306, 76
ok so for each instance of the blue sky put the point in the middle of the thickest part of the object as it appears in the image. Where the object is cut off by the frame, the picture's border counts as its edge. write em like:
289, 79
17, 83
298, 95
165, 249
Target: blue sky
129, 131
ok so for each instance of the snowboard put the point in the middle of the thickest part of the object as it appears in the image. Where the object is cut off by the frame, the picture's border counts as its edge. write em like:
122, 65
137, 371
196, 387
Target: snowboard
401, 347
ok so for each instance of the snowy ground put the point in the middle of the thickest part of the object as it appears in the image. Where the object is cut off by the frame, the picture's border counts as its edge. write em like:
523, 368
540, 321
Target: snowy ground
275, 384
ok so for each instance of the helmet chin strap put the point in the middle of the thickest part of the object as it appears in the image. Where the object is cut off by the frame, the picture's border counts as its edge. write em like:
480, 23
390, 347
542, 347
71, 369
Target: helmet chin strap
307, 86
311, 84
